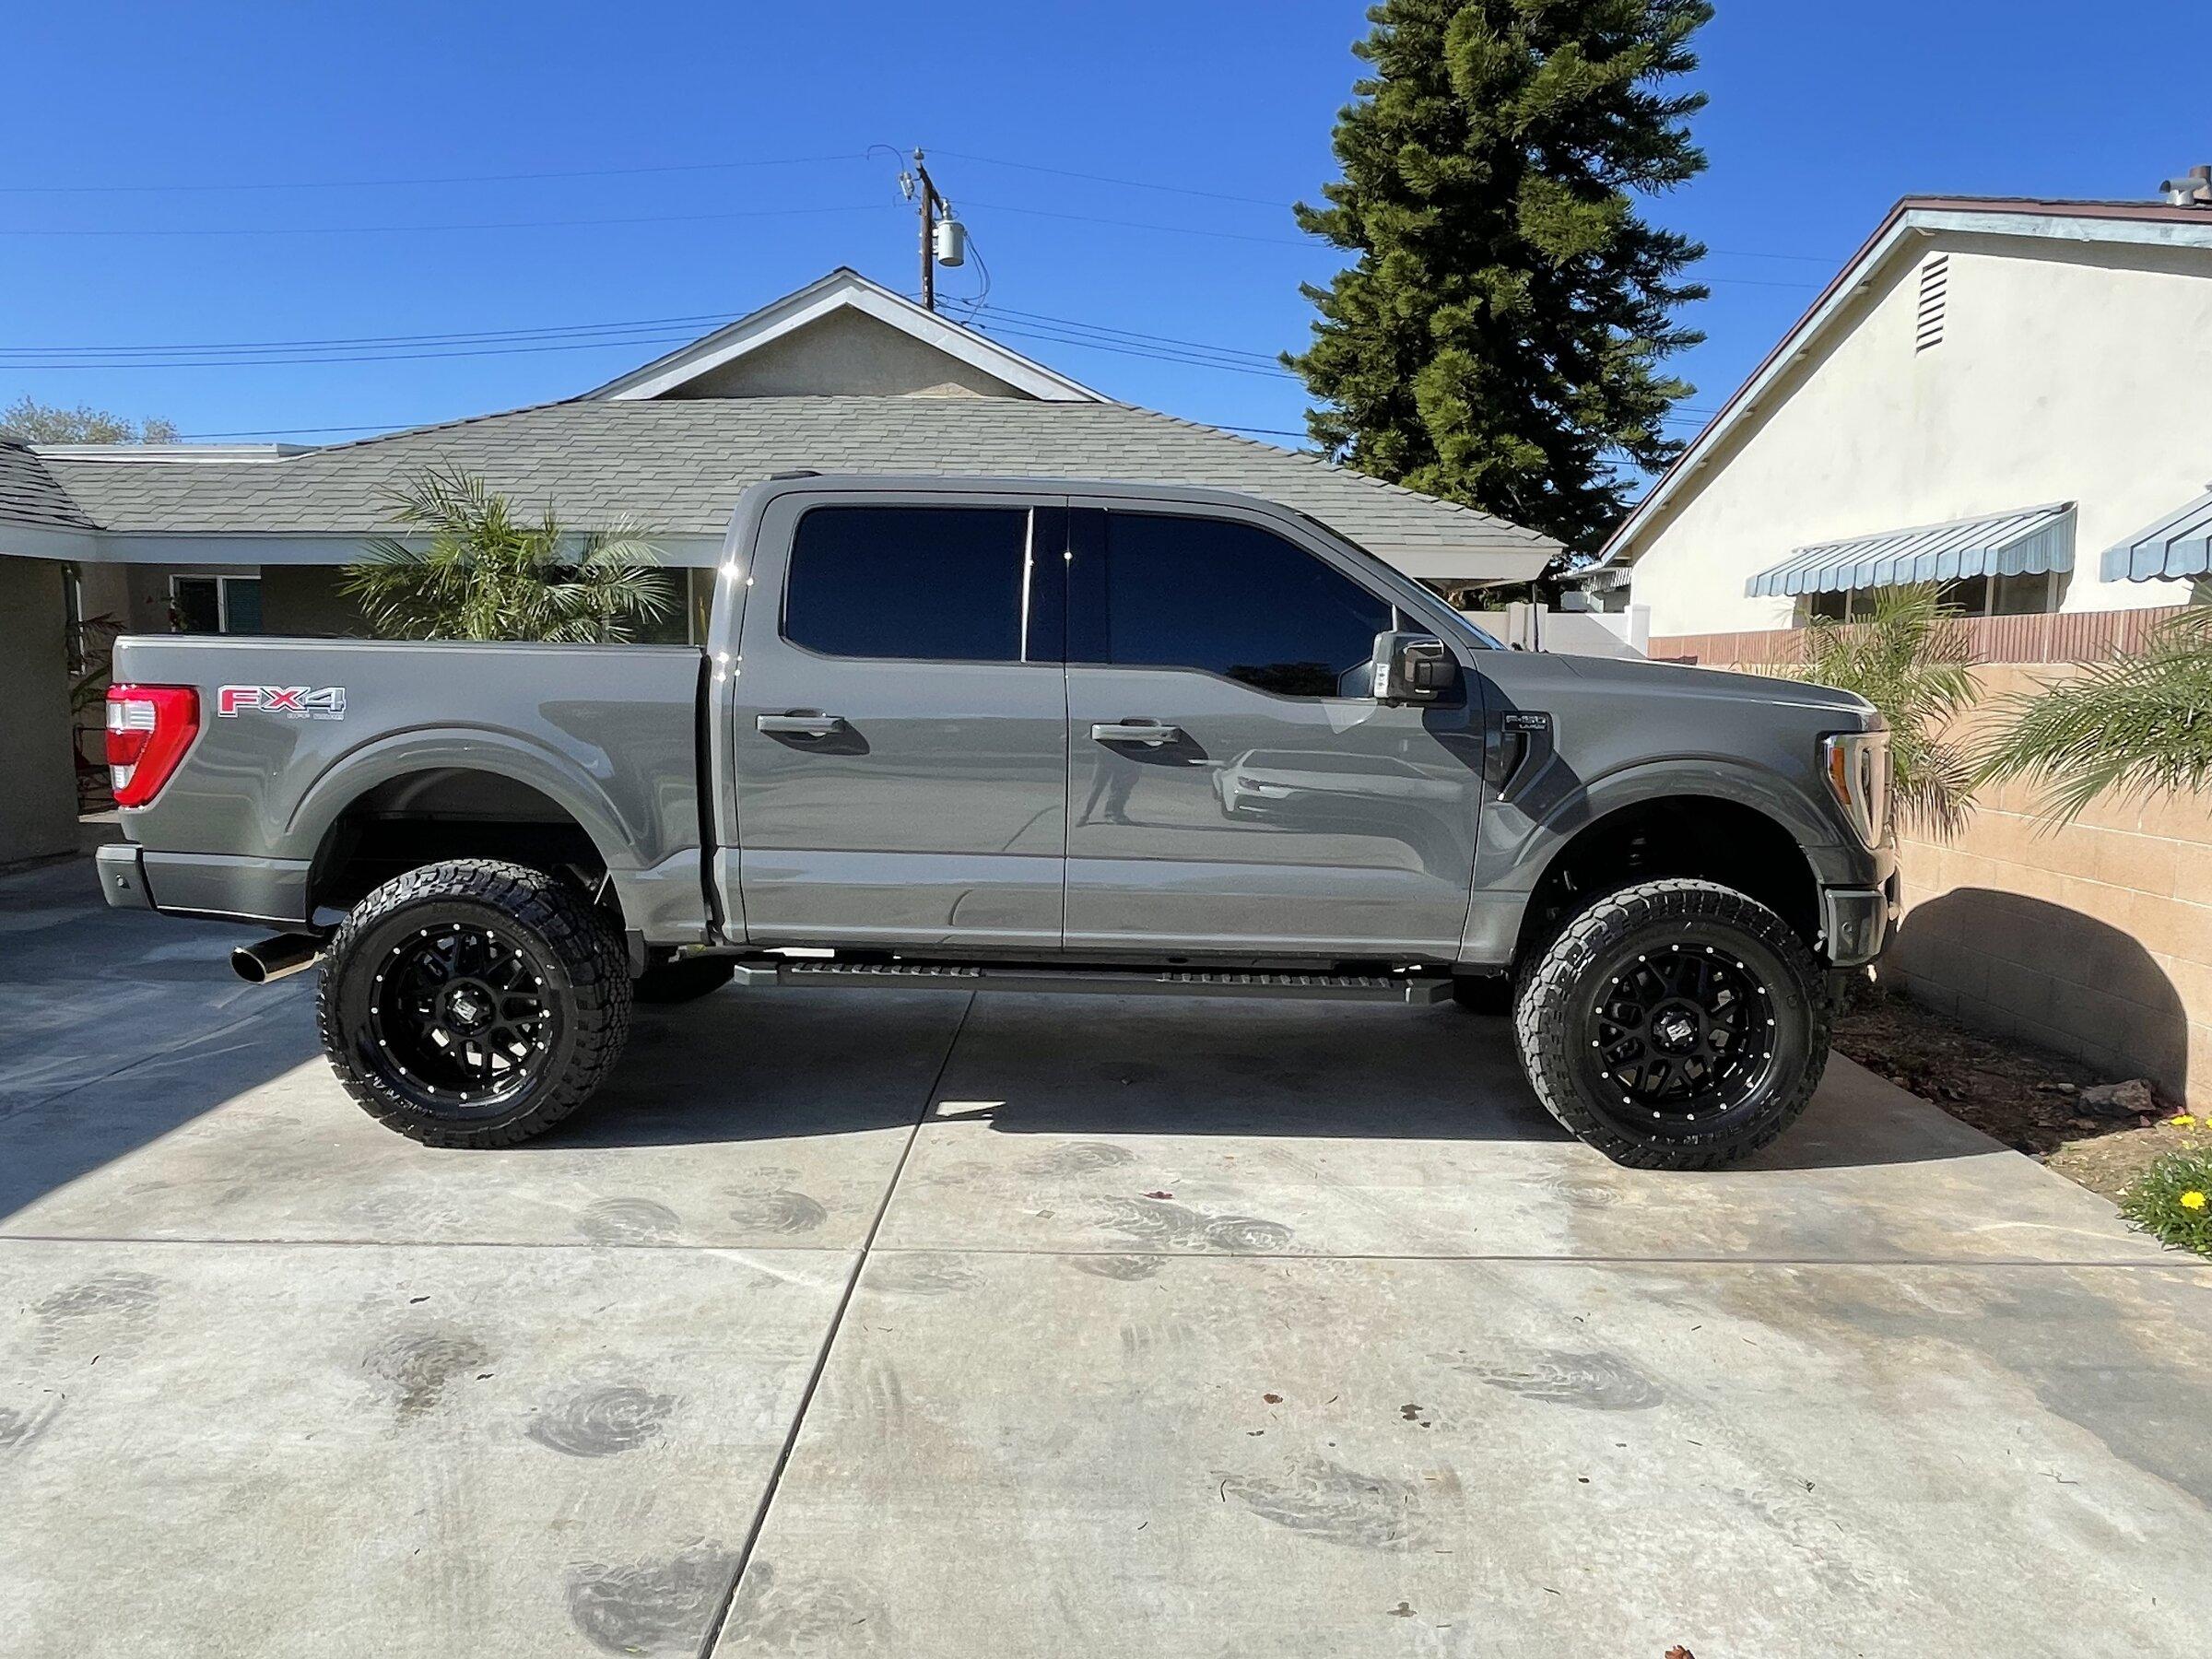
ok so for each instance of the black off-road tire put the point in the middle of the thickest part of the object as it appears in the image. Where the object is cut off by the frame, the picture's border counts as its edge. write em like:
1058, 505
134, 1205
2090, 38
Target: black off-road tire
685, 980
1556, 1014
581, 979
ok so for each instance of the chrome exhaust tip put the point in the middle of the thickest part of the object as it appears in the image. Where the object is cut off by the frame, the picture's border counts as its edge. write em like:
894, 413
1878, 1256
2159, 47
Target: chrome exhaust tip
275, 957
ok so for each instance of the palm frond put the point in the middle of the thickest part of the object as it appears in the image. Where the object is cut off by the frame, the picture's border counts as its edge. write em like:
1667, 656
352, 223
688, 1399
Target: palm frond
481, 570
1913, 666
2137, 726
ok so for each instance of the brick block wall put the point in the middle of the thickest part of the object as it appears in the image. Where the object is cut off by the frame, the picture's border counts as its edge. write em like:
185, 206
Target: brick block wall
2093, 938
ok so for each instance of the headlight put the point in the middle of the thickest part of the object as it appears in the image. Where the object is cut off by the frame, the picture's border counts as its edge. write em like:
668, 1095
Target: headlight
1857, 764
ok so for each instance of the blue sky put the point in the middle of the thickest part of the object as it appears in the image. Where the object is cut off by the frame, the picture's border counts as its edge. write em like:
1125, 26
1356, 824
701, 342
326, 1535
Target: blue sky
133, 131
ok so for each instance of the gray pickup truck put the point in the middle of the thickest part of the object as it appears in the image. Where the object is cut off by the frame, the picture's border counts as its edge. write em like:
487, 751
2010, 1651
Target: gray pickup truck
1021, 734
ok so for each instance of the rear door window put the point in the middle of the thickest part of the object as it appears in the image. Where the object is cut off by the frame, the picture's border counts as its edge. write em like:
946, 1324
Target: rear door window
929, 584
1221, 597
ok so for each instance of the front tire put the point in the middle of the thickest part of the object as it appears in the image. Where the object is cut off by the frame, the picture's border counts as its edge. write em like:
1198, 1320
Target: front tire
1675, 1024
473, 1003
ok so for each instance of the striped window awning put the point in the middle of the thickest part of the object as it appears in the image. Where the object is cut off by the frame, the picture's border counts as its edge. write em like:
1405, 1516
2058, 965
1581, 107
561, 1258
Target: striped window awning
2178, 545
2026, 542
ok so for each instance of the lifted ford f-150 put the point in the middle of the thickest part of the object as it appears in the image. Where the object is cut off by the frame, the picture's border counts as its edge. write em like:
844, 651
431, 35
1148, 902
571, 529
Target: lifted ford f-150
1029, 735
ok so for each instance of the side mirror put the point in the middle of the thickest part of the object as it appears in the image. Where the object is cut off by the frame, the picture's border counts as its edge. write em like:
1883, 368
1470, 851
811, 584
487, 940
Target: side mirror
1413, 668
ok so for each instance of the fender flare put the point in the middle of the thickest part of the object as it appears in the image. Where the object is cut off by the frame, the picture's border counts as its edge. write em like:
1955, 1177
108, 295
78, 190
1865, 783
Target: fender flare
400, 755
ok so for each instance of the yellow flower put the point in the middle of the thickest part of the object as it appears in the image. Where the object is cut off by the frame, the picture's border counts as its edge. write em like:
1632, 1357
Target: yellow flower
2192, 1201
2183, 1120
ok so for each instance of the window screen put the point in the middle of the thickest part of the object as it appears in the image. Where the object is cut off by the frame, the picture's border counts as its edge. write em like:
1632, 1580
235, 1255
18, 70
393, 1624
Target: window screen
1234, 600
943, 583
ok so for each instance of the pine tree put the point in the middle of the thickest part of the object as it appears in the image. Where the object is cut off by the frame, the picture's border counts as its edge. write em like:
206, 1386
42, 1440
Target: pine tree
1499, 340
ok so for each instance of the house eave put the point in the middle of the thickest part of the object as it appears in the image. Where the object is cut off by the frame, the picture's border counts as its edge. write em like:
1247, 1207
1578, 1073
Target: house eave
1912, 220
843, 289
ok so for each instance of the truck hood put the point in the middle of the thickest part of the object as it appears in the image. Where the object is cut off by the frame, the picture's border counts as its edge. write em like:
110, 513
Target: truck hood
1677, 679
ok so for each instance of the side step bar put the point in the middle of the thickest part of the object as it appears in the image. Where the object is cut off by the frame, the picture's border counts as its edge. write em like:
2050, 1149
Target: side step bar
1418, 989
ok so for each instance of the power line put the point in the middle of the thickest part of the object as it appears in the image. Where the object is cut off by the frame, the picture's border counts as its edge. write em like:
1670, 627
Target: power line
1063, 172
464, 337
1086, 218
368, 357
658, 219
1261, 357
586, 172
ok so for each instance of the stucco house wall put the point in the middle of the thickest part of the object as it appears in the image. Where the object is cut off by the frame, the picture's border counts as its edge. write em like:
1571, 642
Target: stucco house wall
2077, 372
38, 803
849, 351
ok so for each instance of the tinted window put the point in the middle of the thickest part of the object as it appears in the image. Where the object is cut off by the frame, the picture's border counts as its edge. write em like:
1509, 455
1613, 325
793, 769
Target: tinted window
1230, 599
939, 582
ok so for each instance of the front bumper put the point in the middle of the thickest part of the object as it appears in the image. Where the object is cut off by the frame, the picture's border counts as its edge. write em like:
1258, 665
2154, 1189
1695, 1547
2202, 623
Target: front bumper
1855, 922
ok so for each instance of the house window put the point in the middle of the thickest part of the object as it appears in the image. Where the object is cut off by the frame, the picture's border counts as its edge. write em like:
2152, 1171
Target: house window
1934, 287
1965, 597
215, 605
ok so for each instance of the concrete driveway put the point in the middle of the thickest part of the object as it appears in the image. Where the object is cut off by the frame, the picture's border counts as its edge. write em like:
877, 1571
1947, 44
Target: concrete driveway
865, 1323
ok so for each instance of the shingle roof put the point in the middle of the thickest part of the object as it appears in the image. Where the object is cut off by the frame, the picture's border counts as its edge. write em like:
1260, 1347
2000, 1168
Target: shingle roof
677, 467
28, 494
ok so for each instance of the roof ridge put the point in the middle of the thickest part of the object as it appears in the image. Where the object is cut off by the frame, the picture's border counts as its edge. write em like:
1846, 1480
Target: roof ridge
431, 426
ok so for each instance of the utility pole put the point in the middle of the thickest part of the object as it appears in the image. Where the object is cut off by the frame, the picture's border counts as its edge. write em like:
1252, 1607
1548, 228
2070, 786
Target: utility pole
931, 202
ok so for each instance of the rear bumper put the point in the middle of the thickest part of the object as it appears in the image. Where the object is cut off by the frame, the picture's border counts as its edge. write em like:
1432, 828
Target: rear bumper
204, 884
122, 877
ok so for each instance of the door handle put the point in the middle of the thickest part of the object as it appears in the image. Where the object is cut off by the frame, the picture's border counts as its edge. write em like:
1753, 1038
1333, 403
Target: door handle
801, 722
1134, 731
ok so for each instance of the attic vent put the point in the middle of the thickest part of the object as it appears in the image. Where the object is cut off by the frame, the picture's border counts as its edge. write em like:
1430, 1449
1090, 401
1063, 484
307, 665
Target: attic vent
1935, 283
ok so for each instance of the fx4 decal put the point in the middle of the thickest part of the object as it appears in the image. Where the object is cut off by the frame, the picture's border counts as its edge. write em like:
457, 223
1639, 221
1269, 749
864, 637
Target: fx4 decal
301, 702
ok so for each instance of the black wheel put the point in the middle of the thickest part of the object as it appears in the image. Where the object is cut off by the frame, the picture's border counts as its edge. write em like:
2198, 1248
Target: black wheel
473, 1003
684, 981
1676, 1025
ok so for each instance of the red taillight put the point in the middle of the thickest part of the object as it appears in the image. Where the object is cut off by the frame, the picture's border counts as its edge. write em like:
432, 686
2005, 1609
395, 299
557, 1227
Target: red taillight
149, 727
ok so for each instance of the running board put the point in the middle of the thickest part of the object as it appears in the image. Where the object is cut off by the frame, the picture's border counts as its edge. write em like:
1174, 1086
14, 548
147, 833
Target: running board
1418, 989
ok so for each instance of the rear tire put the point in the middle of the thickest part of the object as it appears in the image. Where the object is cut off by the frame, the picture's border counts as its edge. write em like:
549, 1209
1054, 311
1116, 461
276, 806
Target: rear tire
686, 981
1675, 1024
473, 1003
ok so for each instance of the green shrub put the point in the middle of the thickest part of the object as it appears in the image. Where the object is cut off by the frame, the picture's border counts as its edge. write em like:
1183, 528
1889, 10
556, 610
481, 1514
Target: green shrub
2173, 1201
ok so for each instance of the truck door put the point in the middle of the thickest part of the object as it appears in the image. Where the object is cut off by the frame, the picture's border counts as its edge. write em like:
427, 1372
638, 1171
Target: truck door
1233, 785
901, 724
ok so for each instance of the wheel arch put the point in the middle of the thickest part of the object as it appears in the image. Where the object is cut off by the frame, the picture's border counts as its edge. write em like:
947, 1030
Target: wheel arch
1697, 834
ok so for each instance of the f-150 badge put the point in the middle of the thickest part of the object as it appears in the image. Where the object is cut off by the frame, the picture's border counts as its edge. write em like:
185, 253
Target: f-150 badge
300, 702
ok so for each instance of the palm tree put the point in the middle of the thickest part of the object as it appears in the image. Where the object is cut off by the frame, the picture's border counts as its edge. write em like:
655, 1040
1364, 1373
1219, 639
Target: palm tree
488, 574
1913, 667
2140, 723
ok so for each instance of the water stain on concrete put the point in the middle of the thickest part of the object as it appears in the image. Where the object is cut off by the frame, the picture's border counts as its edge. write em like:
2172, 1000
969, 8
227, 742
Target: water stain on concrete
1181, 1227
812, 1616
416, 1365
1588, 1382
1127, 1269
1325, 1499
627, 1221
409, 1216
778, 1210
646, 1607
110, 1310
921, 1274
20, 1425
1584, 1192
1078, 1158
602, 1422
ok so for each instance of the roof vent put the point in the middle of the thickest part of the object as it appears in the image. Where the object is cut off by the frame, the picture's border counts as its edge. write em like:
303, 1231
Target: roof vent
2194, 191
1935, 285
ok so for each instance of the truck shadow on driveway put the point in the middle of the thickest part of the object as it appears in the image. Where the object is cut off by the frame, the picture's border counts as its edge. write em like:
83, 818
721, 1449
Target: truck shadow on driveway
744, 1066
